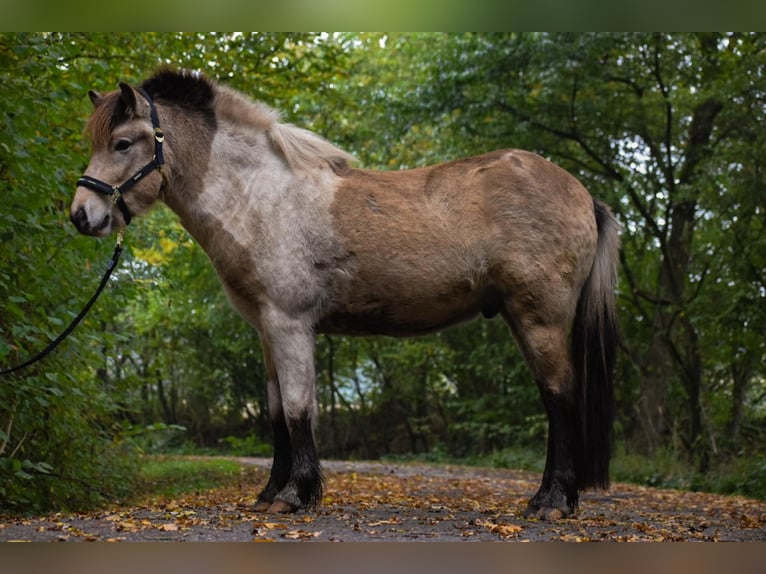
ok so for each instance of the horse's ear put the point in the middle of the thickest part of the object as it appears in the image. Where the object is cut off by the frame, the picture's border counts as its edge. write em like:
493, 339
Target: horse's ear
95, 97
128, 96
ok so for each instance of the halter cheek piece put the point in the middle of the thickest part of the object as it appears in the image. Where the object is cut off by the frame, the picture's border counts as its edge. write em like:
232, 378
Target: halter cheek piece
117, 192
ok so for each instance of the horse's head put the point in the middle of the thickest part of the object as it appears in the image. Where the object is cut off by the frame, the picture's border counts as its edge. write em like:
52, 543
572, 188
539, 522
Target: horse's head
124, 176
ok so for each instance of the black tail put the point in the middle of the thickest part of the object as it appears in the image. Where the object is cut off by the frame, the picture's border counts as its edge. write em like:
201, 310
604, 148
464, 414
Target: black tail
594, 342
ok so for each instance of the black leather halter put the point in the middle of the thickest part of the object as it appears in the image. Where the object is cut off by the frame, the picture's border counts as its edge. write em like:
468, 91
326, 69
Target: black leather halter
116, 192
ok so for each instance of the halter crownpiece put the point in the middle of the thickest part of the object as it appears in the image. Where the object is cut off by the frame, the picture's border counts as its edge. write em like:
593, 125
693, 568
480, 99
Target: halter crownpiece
116, 192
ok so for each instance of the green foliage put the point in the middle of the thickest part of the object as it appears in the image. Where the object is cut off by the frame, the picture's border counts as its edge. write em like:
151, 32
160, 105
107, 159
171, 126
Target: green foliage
156, 438
745, 476
59, 447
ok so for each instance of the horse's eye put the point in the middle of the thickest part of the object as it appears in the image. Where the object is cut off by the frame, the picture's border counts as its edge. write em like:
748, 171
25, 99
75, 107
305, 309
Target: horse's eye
122, 145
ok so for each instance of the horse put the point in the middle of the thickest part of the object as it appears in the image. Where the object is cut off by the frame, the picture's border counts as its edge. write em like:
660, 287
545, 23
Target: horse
305, 243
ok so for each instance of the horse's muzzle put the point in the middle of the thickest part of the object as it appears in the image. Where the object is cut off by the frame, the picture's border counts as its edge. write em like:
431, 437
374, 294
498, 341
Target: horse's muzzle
82, 222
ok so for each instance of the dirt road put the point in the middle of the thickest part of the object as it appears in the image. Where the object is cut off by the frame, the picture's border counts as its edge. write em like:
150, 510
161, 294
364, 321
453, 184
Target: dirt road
370, 501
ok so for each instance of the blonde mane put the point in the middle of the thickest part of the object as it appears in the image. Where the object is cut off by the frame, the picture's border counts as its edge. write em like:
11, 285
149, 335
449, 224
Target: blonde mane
301, 148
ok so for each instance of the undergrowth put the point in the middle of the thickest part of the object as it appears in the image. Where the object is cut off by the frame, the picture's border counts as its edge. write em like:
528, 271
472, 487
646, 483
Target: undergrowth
745, 476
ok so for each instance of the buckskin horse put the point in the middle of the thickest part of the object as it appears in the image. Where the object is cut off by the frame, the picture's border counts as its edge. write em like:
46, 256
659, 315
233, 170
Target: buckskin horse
304, 243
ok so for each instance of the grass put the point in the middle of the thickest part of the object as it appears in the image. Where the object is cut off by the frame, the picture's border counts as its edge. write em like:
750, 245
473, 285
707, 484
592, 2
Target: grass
171, 476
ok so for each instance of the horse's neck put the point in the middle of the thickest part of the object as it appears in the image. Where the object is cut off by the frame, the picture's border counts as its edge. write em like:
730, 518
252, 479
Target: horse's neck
221, 190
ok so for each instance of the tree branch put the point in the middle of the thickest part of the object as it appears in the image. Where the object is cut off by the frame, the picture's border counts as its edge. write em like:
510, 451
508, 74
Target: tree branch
667, 165
703, 120
609, 170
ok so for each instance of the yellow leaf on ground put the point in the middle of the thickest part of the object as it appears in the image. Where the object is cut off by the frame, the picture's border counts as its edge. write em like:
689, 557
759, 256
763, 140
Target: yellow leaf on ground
504, 530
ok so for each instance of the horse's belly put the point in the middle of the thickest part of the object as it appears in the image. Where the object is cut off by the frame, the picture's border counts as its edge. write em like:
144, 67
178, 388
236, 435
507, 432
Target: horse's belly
378, 316
384, 324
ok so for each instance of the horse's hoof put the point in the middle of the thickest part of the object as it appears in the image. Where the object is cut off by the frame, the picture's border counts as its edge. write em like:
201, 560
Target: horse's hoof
550, 514
281, 507
531, 511
262, 506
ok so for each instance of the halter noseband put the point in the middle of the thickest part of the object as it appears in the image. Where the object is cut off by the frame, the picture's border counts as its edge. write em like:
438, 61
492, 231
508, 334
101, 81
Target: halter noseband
116, 192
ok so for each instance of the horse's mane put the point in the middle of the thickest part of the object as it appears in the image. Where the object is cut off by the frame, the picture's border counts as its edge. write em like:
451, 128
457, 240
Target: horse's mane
195, 93
190, 90
302, 149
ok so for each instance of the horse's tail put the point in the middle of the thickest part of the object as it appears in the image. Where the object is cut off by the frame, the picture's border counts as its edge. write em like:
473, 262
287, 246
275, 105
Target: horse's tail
594, 342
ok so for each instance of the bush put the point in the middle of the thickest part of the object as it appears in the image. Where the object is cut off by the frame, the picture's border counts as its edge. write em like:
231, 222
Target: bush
745, 476
157, 438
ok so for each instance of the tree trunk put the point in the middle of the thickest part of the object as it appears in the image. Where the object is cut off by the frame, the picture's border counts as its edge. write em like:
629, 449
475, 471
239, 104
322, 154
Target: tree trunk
740, 375
337, 443
167, 413
675, 346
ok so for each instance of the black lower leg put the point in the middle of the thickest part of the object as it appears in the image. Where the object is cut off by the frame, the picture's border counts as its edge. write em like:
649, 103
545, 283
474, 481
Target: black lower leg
557, 496
304, 487
545, 485
280, 468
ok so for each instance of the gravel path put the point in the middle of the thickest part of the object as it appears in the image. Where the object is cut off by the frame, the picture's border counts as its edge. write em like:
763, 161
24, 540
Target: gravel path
376, 501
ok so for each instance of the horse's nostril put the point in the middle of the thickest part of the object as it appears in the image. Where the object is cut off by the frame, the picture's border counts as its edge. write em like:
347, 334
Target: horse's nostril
80, 219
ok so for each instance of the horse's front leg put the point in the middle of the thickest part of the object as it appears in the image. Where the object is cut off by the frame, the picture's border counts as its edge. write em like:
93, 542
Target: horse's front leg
282, 463
296, 477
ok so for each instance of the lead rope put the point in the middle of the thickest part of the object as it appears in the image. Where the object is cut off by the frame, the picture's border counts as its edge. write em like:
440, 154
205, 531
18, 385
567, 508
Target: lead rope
55, 343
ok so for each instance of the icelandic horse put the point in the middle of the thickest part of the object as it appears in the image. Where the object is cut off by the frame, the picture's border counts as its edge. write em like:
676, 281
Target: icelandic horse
304, 243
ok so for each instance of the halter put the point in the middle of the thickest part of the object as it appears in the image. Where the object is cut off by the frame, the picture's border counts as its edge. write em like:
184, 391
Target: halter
116, 192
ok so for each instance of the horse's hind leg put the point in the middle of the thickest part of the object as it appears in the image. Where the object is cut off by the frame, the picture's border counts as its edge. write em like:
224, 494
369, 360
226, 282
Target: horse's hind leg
543, 341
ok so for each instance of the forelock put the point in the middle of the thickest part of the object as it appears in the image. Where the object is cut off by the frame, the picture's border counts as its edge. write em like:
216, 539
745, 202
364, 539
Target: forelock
108, 115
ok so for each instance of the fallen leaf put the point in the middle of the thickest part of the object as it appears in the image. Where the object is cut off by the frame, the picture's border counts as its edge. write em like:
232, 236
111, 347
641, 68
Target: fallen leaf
504, 530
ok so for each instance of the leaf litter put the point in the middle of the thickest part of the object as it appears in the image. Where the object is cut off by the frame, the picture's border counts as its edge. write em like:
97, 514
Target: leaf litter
403, 502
